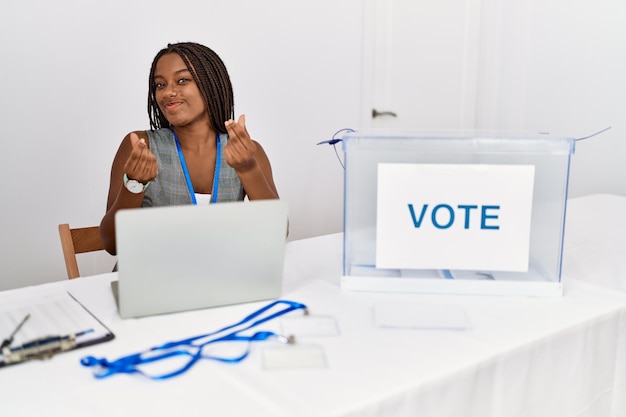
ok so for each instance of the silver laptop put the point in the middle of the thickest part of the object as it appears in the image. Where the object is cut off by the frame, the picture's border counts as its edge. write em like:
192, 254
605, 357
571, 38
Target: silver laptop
180, 258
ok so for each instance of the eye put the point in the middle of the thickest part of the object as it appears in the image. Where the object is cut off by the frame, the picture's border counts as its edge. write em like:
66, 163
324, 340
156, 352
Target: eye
159, 86
183, 80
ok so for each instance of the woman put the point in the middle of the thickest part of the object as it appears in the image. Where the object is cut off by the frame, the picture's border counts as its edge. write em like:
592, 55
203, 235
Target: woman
195, 152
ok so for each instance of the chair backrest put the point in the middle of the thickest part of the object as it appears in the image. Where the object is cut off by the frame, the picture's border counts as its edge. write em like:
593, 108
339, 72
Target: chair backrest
78, 240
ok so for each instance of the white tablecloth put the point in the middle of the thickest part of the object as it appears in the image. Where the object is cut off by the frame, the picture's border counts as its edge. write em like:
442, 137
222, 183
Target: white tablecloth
534, 357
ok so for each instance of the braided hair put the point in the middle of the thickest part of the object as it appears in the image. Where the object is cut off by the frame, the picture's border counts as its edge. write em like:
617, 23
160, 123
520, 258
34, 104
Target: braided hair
211, 77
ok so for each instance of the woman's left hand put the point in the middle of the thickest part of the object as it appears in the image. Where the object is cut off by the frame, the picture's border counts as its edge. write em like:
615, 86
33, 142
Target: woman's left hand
240, 150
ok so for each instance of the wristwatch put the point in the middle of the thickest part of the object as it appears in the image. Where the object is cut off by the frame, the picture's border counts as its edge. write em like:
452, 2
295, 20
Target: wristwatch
135, 186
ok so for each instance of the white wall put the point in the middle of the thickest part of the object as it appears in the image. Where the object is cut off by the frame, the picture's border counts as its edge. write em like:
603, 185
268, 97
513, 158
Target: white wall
74, 77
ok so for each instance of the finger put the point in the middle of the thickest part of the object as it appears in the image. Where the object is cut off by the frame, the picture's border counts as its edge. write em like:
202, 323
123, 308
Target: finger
138, 144
151, 167
242, 122
231, 126
135, 154
144, 172
238, 132
134, 140
147, 165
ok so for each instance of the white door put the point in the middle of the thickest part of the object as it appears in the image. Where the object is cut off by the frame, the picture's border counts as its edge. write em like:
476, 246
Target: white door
443, 64
420, 63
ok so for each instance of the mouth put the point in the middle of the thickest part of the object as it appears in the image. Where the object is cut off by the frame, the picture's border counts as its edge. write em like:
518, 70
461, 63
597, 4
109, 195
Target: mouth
173, 105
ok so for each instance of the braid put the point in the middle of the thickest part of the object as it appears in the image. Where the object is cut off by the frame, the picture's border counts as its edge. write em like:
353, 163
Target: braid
211, 77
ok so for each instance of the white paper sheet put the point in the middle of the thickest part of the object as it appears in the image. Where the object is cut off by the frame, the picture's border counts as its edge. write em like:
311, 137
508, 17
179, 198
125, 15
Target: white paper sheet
421, 316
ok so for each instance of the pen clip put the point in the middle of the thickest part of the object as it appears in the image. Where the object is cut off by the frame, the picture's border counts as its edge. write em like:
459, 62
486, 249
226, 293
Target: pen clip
9, 340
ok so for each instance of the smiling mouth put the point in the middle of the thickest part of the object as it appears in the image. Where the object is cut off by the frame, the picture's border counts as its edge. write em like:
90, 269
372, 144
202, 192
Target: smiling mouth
173, 105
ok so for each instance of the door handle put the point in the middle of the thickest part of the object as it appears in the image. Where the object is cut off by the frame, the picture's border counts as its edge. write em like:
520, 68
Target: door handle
376, 113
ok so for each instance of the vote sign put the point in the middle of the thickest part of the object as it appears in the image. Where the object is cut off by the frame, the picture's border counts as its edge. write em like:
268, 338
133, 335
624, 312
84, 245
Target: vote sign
454, 216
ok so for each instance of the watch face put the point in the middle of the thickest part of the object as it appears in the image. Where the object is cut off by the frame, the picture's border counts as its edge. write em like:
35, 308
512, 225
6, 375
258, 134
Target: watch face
134, 186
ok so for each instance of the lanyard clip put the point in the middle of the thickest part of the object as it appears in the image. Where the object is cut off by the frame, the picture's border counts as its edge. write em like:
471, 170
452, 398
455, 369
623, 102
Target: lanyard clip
288, 340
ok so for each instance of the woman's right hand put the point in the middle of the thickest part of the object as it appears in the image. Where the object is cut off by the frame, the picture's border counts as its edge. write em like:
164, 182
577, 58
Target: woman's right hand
141, 164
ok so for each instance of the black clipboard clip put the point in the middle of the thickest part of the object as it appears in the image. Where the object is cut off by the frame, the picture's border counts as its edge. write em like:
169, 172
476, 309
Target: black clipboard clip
41, 348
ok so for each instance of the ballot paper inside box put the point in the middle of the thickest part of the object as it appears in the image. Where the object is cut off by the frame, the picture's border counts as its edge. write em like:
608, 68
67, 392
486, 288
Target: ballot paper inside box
457, 213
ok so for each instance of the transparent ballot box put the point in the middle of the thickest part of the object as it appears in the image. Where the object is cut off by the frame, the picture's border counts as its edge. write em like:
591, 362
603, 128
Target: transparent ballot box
455, 213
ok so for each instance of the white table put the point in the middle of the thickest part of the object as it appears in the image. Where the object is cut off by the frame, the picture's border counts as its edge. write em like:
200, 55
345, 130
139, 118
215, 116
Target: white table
553, 357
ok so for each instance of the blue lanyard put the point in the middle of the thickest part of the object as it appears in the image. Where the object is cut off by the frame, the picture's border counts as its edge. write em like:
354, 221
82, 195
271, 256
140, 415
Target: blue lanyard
192, 348
216, 176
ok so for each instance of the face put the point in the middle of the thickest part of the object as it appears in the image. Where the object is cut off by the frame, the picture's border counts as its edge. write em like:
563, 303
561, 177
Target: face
177, 94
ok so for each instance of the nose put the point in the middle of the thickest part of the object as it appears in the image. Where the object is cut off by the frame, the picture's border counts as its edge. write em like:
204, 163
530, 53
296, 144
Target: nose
171, 90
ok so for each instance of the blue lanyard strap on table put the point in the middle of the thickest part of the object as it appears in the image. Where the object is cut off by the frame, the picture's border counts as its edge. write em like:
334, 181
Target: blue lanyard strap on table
191, 350
216, 176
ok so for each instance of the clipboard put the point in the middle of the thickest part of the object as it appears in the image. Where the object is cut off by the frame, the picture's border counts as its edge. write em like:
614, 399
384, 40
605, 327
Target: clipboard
42, 326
